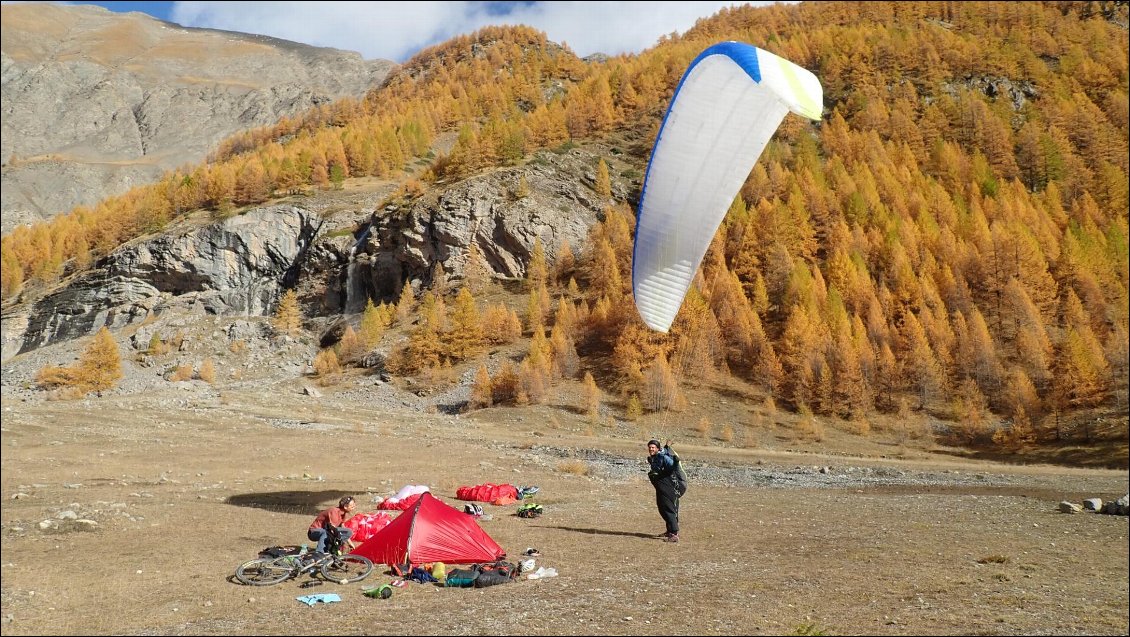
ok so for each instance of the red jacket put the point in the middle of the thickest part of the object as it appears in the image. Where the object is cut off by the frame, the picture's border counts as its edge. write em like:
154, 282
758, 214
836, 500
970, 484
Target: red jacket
333, 515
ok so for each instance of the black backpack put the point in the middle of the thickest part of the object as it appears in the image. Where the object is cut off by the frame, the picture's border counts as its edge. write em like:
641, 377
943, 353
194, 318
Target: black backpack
280, 551
679, 475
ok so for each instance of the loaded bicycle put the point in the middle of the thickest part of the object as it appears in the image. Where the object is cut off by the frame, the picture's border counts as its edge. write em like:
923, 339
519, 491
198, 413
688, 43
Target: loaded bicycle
332, 565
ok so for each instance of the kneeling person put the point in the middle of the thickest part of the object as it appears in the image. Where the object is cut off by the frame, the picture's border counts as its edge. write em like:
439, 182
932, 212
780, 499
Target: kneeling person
334, 516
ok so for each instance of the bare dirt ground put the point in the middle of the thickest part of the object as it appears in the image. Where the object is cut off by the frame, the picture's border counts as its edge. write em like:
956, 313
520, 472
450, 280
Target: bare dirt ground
182, 482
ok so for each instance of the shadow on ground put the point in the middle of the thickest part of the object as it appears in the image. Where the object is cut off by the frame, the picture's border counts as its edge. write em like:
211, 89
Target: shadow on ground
300, 502
602, 532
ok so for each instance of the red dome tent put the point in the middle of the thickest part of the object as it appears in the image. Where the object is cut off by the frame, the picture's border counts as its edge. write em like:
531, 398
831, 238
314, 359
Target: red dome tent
431, 531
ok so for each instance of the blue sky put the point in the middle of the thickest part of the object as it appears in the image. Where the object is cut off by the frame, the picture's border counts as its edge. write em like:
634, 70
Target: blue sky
397, 30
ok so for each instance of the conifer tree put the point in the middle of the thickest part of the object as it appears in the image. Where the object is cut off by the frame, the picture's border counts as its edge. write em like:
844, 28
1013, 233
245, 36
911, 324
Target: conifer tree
1082, 373
351, 347
573, 289
288, 316
100, 365
591, 397
921, 366
972, 411
504, 384
406, 303
565, 263
476, 273
373, 325
603, 181
604, 270
536, 270
251, 184
466, 327
634, 411
660, 389
439, 280
522, 189
532, 383
888, 379
481, 392
326, 366
566, 362
1017, 434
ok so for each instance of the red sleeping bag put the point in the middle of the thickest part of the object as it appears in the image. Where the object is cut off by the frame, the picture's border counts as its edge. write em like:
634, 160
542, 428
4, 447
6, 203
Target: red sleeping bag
488, 493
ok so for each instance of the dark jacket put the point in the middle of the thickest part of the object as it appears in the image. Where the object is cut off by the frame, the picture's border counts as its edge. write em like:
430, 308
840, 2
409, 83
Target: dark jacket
665, 466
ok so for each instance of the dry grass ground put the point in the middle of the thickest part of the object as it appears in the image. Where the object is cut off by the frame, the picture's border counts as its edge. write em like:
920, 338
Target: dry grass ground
185, 486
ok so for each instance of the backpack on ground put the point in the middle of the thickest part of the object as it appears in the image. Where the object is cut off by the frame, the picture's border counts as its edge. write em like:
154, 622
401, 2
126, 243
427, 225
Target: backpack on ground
494, 573
280, 551
530, 510
462, 577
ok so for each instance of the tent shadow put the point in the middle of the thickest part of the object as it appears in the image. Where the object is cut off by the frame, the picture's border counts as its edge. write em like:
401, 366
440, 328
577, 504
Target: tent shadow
647, 536
298, 502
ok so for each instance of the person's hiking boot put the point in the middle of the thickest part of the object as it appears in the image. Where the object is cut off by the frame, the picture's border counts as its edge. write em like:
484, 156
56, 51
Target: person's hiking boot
673, 537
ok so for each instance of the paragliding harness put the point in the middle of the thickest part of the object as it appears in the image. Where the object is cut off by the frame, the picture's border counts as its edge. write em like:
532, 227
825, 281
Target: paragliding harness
678, 475
530, 510
675, 473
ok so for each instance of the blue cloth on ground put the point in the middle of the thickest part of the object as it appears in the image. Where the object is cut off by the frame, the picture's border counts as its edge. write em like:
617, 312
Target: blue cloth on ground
310, 600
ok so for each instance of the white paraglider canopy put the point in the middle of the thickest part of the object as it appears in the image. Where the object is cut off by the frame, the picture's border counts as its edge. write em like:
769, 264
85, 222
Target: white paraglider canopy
729, 103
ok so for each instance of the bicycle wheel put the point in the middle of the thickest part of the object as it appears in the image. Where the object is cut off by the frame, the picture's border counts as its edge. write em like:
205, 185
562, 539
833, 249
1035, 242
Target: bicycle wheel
264, 571
347, 568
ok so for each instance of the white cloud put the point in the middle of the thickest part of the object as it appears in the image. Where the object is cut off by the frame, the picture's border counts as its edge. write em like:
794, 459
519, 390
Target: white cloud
397, 30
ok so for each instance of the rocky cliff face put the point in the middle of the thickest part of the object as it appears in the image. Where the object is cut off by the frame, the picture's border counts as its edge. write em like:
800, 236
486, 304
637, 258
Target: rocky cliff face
235, 266
403, 243
240, 265
94, 102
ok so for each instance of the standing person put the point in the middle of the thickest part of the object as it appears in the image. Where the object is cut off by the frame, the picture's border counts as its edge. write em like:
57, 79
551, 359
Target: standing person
664, 477
335, 516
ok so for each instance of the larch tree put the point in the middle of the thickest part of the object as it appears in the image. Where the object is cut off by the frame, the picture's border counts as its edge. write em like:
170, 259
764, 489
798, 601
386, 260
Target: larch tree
603, 185
1082, 373
476, 273
565, 263
504, 384
406, 303
482, 394
604, 270
351, 347
288, 316
536, 270
591, 394
466, 333
972, 410
921, 366
660, 388
373, 324
100, 365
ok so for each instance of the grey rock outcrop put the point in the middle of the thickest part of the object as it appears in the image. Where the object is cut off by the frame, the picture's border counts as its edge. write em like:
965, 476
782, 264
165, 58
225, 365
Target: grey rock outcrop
237, 266
404, 244
234, 266
95, 103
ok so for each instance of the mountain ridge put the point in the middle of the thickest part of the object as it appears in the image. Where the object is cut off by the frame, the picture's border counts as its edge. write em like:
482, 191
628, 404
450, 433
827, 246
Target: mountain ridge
144, 96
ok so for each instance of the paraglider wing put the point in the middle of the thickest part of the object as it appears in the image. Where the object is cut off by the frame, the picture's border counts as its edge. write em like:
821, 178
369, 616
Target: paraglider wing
729, 103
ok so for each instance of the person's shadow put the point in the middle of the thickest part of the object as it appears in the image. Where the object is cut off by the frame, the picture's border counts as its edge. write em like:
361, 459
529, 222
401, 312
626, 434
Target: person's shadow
602, 532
